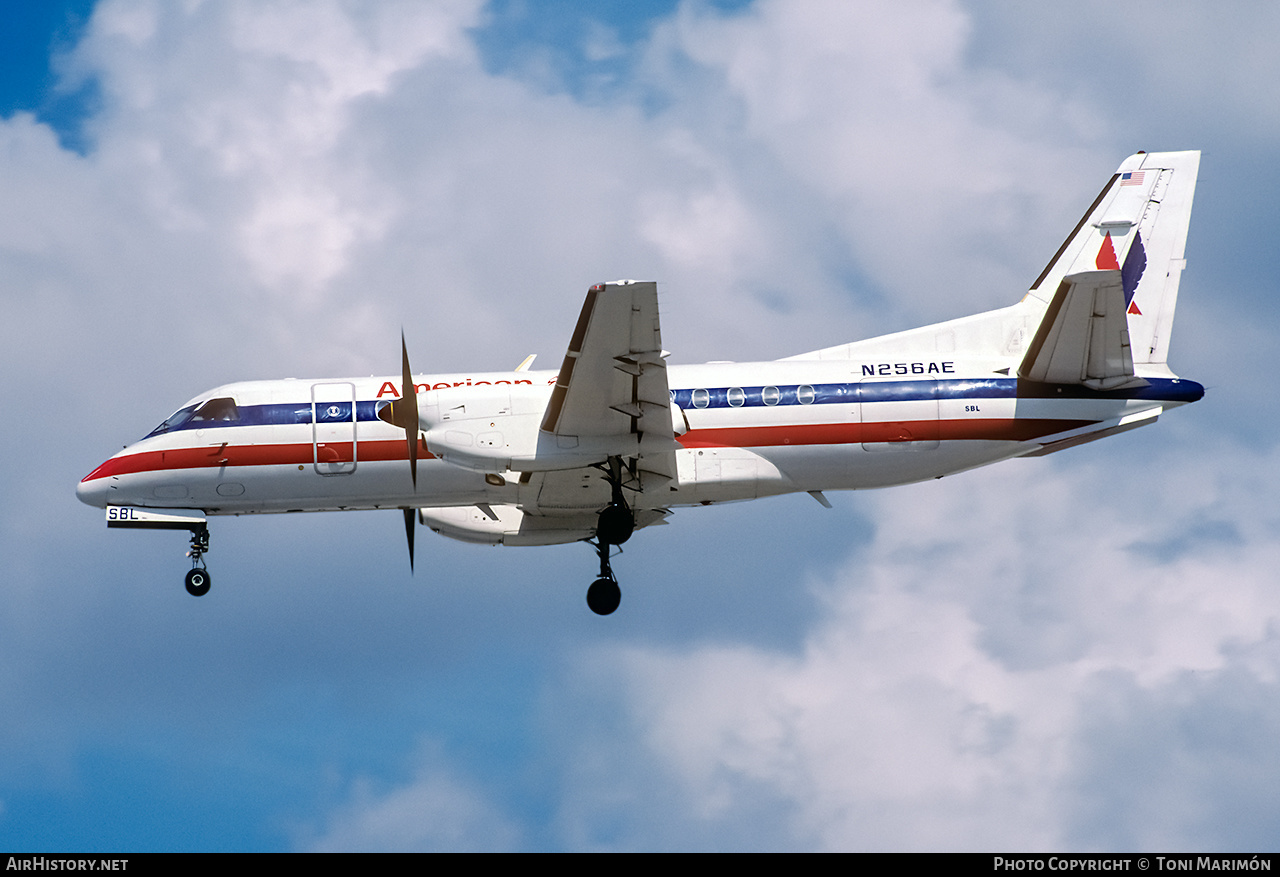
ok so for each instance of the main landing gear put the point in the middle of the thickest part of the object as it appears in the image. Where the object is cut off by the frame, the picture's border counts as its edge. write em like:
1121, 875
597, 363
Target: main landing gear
616, 524
604, 595
198, 580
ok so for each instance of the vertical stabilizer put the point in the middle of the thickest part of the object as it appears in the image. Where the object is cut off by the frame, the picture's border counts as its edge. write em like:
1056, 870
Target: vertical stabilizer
1137, 226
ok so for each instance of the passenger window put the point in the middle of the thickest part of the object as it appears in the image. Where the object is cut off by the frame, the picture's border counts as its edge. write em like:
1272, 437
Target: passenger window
805, 394
771, 395
736, 397
701, 398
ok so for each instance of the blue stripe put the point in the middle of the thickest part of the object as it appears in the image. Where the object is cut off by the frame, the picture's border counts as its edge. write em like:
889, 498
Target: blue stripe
1159, 390
288, 414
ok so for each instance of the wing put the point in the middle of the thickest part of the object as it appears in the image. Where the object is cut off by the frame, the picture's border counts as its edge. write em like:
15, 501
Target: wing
612, 388
1084, 335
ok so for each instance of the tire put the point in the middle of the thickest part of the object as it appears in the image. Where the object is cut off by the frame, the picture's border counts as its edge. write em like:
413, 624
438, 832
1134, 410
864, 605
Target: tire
603, 596
198, 582
616, 524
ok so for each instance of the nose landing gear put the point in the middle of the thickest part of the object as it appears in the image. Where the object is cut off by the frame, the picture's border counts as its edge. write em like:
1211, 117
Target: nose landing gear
133, 518
198, 580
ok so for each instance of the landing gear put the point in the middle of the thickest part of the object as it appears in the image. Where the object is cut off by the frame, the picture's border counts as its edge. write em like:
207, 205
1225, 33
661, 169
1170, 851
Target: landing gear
198, 580
616, 524
603, 596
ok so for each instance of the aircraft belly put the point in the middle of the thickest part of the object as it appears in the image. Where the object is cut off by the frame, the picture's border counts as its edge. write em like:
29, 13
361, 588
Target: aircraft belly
852, 468
735, 474
298, 487
726, 474
375, 484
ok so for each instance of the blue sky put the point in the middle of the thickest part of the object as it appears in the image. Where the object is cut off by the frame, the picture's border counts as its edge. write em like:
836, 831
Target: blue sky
33, 35
1075, 652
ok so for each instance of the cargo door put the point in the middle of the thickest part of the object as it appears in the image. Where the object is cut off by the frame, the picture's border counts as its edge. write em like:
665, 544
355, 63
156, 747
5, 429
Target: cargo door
899, 415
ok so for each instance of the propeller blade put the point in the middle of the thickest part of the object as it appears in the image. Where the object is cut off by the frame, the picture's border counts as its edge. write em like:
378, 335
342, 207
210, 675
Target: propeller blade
409, 416
408, 532
404, 413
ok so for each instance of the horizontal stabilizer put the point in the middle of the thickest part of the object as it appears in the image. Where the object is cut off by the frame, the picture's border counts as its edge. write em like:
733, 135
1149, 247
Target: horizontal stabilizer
1084, 335
1076, 437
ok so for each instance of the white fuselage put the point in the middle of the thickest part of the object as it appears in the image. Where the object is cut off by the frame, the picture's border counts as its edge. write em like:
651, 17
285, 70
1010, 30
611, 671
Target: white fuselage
616, 437
744, 430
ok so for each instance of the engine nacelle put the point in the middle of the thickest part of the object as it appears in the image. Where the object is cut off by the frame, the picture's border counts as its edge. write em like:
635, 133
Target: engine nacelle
507, 525
483, 428
499, 429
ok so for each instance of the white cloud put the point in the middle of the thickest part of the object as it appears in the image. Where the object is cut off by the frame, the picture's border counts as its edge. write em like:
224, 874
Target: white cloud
437, 812
301, 178
274, 188
1162, 68
998, 630
239, 111
872, 109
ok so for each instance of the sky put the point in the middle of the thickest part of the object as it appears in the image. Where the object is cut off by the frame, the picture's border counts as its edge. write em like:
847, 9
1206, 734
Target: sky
1077, 652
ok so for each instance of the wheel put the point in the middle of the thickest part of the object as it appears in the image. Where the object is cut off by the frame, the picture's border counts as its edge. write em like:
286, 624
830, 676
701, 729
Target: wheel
198, 582
603, 596
615, 525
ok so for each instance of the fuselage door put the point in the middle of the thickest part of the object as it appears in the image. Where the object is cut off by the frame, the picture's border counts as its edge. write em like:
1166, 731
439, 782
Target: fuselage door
899, 415
333, 428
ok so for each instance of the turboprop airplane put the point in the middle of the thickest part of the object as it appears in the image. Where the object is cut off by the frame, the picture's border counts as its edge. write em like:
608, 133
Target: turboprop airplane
616, 438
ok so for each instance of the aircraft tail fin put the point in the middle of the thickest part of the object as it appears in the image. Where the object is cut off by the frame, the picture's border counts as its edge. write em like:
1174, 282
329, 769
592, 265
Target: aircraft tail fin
1137, 226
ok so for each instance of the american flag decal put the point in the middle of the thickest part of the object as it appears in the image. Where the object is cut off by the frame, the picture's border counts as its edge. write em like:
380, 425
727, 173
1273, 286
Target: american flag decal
1132, 178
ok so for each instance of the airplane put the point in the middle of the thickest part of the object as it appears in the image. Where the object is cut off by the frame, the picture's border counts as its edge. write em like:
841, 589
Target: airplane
616, 438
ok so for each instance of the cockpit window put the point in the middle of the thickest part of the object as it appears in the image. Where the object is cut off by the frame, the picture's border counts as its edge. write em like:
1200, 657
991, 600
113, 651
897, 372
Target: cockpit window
223, 409
219, 410
174, 421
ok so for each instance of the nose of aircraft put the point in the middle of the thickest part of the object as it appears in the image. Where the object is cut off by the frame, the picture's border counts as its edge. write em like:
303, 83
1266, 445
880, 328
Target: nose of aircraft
93, 491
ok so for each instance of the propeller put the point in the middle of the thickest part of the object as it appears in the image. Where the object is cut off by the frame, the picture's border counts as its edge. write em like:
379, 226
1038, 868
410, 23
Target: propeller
403, 412
409, 400
408, 532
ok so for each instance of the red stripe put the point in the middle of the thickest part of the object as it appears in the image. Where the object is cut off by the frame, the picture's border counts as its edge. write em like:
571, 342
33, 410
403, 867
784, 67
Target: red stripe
990, 429
215, 456
302, 453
